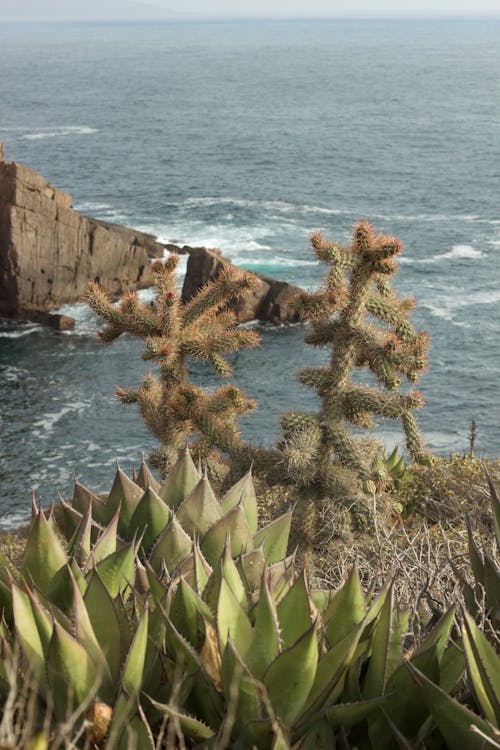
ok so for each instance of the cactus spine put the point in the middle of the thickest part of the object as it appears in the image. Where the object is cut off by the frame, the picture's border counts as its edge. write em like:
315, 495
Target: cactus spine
173, 408
359, 316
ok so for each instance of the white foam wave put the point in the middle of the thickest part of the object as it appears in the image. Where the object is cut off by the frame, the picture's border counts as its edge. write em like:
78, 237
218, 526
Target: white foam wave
91, 206
11, 373
458, 252
56, 132
276, 260
46, 424
18, 334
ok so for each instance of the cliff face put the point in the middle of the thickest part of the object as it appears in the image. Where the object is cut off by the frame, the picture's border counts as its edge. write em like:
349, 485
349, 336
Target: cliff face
48, 252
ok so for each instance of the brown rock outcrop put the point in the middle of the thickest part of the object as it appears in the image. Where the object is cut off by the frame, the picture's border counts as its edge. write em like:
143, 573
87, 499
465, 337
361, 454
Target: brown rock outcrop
49, 252
271, 301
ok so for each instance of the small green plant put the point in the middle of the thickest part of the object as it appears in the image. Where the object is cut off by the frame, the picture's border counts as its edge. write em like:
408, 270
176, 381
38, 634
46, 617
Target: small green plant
358, 315
174, 409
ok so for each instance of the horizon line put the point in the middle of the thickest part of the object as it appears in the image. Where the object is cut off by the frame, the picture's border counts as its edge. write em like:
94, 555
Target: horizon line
194, 17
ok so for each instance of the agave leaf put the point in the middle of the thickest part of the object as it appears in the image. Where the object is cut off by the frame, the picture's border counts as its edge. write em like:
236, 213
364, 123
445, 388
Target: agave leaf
349, 714
150, 517
83, 498
453, 719
232, 621
319, 737
232, 576
28, 633
171, 547
156, 587
492, 587
85, 635
125, 495
251, 567
200, 510
451, 667
117, 571
331, 671
201, 569
495, 506
185, 611
137, 735
134, 666
181, 481
290, 677
403, 701
44, 554
43, 620
210, 655
321, 598
71, 673
243, 492
387, 649
234, 525
346, 610
60, 591
439, 635
295, 612
274, 538
266, 642
145, 479
241, 687
71, 519
392, 461
280, 741
282, 576
106, 544
483, 667
103, 617
191, 727
79, 546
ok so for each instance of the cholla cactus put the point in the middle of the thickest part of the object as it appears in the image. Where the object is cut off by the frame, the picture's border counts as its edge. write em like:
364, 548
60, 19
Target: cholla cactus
204, 329
344, 314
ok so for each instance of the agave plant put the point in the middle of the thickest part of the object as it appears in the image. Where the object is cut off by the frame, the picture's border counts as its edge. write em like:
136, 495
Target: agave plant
158, 610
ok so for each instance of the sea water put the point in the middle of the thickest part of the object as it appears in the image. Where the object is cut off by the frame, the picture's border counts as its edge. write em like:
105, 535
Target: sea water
248, 136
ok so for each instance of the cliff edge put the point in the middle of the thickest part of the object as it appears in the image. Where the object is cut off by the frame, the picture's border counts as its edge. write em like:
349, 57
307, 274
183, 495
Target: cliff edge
49, 252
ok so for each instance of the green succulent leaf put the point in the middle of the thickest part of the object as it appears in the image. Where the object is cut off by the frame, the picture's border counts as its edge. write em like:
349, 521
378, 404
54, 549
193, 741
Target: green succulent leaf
106, 544
171, 547
290, 677
28, 634
234, 525
295, 612
454, 721
200, 510
125, 494
232, 621
483, 668
150, 517
243, 492
71, 672
266, 643
186, 609
251, 566
346, 610
117, 571
386, 652
191, 727
85, 635
274, 538
44, 553
134, 666
181, 481
103, 616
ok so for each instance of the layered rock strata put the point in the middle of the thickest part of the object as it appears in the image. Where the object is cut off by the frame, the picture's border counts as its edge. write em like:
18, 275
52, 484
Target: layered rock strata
49, 252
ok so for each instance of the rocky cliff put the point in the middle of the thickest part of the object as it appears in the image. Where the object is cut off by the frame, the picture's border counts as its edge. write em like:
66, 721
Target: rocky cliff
49, 252
271, 301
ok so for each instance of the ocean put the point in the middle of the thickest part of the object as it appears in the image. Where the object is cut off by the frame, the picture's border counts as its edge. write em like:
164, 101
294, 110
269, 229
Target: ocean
249, 136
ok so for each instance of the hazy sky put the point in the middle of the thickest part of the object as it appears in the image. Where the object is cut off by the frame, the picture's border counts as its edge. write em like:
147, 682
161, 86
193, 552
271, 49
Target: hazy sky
123, 9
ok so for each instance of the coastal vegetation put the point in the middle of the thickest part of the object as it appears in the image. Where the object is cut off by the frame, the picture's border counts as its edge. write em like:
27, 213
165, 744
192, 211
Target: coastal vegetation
333, 596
